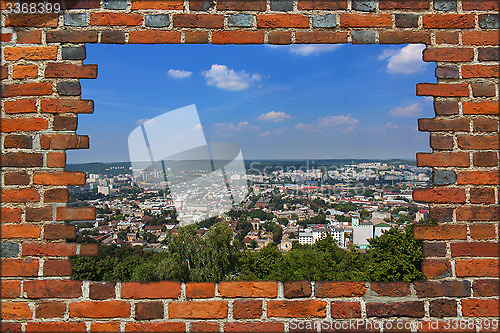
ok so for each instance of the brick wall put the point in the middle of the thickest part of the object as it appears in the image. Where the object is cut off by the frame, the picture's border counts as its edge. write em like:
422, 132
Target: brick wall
42, 61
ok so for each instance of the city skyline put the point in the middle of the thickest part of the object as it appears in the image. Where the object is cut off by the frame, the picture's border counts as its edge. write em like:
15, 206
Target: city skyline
275, 102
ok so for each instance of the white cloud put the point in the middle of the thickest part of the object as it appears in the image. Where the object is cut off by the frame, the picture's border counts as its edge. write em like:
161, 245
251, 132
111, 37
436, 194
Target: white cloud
197, 127
275, 116
413, 110
328, 122
179, 74
311, 49
407, 60
229, 79
227, 129
264, 133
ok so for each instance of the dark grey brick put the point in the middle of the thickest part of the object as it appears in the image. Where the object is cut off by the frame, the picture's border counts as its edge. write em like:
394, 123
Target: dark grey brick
324, 21
445, 5
448, 72
444, 177
74, 52
157, 21
75, 20
115, 4
282, 5
364, 6
406, 20
70, 88
363, 37
240, 20
489, 21
10, 249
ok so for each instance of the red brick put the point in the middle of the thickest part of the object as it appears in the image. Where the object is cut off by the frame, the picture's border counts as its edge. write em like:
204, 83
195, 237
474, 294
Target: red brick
408, 4
10, 215
446, 107
10, 289
297, 309
198, 309
89, 249
476, 249
231, 289
59, 178
481, 107
19, 195
295, 289
250, 327
365, 20
481, 5
64, 141
64, 122
50, 309
67, 106
38, 214
441, 142
56, 160
482, 231
100, 309
6, 37
80, 4
19, 267
163, 289
482, 195
205, 327
25, 72
15, 311
439, 195
75, 213
113, 37
238, 37
112, 326
477, 267
446, 37
56, 195
53, 288
448, 54
50, 327
321, 4
345, 310
237, 5
320, 37
198, 21
30, 53
486, 288
448, 21
436, 268
443, 159
196, 37
483, 89
279, 37
59, 231
282, 21
69, 36
149, 310
200, 289
393, 289
477, 213
20, 231
58, 70
32, 20
22, 159
471, 71
485, 125
167, 5
115, 19
4, 72
443, 308
480, 38
443, 89
404, 37
29, 37
449, 288
26, 89
52, 267
474, 307
155, 327
24, 124
440, 125
478, 178
154, 37
340, 289
440, 232
413, 309
247, 309
102, 290
49, 249
20, 106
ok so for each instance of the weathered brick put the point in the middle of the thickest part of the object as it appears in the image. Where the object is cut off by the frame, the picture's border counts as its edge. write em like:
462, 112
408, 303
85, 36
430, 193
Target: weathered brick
38, 214
109, 326
15, 311
100, 309
474, 307
297, 309
443, 89
58, 70
74, 52
443, 159
477, 213
25, 72
243, 327
18, 267
248, 289
489, 21
436, 268
448, 54
484, 71
238, 37
444, 177
198, 21
446, 107
486, 287
26, 89
201, 5
320, 37
408, 4
324, 21
55, 327
445, 5
205, 327
64, 141
393, 289
440, 125
80, 4
32, 20
158, 4
69, 88
56, 195
20, 231
155, 327
59, 178
56, 160
75, 213
441, 142
23, 125
240, 20
247, 309
443, 308
113, 37
10, 289
10, 215
282, 21
294, 289
148, 310
404, 37
70, 36
365, 20
475, 249
485, 159
447, 37
481, 107
413, 309
163, 289
345, 310
102, 290
448, 72
157, 21
18, 141
478, 178
363, 37
198, 309
115, 19
477, 267
440, 232
29, 37
75, 19
339, 289
50, 309
53, 288
406, 20
9, 250
200, 289
434, 249
57, 267
154, 37
49, 249
256, 5
19, 195
449, 288
481, 5
59, 231
483, 89
477, 142
67, 106
89, 249
279, 37
480, 38
115, 4
196, 37
448, 21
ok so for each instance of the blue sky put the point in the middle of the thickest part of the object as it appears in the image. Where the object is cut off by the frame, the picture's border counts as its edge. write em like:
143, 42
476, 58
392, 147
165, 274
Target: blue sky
299, 101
